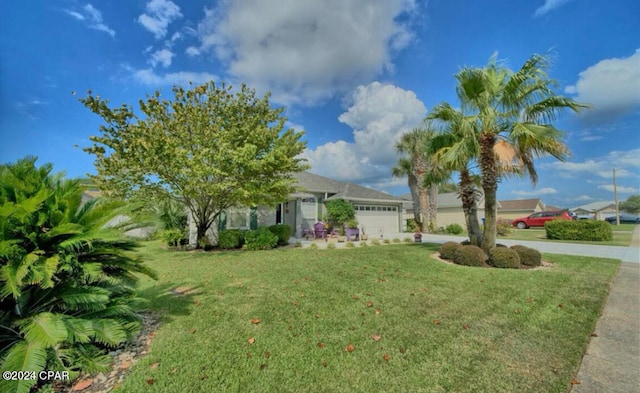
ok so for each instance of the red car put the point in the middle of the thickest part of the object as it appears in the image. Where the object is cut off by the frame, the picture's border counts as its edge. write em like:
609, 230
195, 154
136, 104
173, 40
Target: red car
538, 219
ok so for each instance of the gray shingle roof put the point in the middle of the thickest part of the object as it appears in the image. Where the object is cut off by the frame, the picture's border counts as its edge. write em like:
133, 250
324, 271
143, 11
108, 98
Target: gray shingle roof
596, 206
521, 204
340, 190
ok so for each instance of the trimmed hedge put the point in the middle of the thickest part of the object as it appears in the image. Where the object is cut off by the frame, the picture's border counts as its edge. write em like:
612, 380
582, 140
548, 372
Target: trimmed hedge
448, 250
469, 256
588, 230
230, 238
260, 239
528, 256
283, 231
504, 258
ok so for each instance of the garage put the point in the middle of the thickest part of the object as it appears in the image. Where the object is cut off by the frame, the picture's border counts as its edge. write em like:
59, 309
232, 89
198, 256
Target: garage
377, 219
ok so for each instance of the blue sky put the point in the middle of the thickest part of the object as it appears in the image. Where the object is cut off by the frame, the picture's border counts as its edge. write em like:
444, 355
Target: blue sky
354, 74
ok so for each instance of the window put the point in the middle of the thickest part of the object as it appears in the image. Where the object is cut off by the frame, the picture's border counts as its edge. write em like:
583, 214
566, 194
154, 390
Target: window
238, 218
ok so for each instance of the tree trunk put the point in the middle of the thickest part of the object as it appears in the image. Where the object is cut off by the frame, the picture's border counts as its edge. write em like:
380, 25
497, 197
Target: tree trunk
424, 209
433, 208
489, 170
470, 208
415, 198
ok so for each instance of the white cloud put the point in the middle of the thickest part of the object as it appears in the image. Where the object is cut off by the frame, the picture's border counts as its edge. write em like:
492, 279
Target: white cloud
583, 198
542, 191
379, 114
612, 86
163, 57
549, 5
192, 51
159, 14
92, 18
306, 51
619, 189
149, 77
626, 163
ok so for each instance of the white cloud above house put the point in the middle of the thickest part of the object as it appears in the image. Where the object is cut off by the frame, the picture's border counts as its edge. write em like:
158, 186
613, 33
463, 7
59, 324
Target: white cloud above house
379, 114
619, 189
612, 86
626, 163
542, 191
92, 18
298, 49
548, 6
158, 15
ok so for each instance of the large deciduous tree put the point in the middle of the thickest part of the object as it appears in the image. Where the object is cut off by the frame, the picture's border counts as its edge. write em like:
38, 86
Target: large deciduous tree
513, 112
210, 147
631, 205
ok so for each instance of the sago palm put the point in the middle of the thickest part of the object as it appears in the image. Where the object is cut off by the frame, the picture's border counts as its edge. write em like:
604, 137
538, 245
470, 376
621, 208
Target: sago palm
66, 282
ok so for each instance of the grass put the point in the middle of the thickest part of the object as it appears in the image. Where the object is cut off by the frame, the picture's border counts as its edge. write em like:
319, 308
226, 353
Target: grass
442, 327
621, 236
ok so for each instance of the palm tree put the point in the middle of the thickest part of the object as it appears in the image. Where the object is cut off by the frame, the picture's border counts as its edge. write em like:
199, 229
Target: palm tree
423, 177
512, 112
455, 149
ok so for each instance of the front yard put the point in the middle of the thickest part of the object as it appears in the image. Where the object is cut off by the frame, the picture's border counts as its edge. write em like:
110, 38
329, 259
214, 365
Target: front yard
621, 236
380, 318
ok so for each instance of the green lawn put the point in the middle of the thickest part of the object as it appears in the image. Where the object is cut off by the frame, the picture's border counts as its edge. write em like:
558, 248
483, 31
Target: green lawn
441, 328
621, 236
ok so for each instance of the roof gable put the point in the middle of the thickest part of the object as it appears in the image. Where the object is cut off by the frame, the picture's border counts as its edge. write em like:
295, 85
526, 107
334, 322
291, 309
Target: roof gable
522, 204
340, 190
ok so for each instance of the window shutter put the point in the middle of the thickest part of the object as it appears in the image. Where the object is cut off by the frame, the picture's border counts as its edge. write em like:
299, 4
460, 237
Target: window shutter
253, 218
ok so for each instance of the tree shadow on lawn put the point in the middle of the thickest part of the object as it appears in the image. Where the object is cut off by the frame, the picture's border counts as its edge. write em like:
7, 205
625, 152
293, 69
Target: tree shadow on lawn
170, 300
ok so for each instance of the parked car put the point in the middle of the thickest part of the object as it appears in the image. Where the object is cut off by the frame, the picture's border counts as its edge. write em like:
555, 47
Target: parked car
538, 219
624, 219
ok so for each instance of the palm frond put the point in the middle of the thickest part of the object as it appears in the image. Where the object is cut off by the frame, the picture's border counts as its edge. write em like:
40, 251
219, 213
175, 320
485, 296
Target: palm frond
23, 355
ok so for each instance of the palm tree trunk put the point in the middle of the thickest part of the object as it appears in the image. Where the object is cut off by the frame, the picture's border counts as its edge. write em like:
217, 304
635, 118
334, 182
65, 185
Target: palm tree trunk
433, 208
415, 198
424, 208
470, 208
489, 170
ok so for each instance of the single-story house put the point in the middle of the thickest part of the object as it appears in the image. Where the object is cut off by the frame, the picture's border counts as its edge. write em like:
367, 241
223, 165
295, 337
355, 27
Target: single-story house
596, 210
516, 208
450, 209
377, 213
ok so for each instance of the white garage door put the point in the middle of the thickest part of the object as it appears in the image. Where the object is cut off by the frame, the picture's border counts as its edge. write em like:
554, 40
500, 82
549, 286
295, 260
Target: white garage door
377, 219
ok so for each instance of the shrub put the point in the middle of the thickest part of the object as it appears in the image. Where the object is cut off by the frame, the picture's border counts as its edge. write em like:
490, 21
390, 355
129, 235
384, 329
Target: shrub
349, 244
412, 226
260, 239
500, 245
375, 242
298, 244
283, 231
504, 258
503, 227
386, 241
396, 240
67, 283
528, 256
230, 238
173, 237
363, 244
587, 230
313, 246
454, 229
448, 250
407, 240
469, 256
330, 246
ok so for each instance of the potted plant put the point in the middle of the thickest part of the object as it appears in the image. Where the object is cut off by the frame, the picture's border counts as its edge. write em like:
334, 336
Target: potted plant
341, 235
352, 229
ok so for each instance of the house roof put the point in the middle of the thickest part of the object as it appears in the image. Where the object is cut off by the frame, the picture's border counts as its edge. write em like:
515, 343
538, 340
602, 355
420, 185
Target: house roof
595, 206
521, 204
310, 182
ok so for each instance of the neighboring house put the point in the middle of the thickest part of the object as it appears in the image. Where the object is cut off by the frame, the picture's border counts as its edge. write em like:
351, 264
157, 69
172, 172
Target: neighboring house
450, 209
378, 213
520, 208
596, 210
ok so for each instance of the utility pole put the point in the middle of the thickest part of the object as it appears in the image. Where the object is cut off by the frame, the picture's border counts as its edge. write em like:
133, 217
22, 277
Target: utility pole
615, 197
